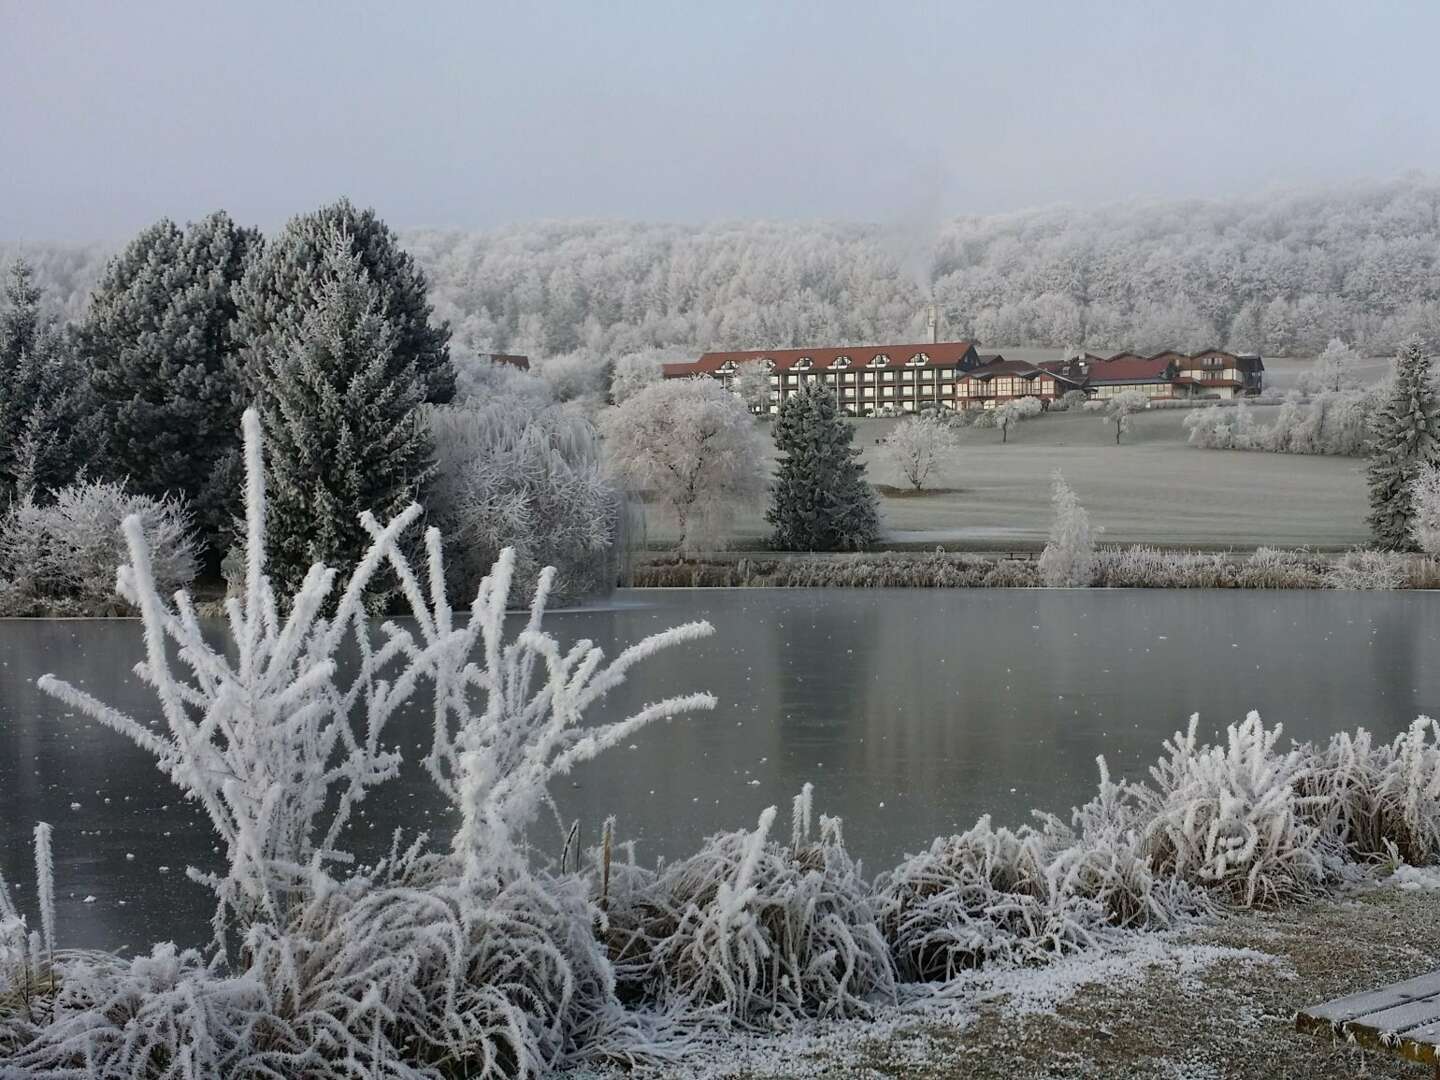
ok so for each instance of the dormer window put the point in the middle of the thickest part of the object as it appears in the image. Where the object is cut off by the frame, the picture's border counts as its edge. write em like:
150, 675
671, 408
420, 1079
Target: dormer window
918, 360
841, 362
879, 360
803, 364
727, 368
769, 364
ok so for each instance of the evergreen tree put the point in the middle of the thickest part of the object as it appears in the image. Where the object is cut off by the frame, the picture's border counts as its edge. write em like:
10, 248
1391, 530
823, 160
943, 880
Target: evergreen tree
1404, 435
821, 500
279, 288
339, 400
164, 366
45, 429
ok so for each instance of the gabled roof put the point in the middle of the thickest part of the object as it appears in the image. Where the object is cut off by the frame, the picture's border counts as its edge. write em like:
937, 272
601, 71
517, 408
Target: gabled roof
1155, 369
1020, 368
939, 354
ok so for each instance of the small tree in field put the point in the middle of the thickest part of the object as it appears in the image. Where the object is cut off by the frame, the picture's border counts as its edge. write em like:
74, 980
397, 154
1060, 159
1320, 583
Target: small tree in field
1334, 370
752, 383
1425, 503
694, 446
1069, 558
821, 500
1404, 440
1119, 408
916, 446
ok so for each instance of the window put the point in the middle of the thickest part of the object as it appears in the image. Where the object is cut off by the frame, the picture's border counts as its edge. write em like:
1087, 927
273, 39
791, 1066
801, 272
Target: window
888, 376
878, 360
803, 364
727, 368
918, 360
769, 364
841, 362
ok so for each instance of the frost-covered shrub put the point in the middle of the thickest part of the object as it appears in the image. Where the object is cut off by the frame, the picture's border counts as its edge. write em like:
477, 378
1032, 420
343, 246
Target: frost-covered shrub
1219, 428
1071, 399
64, 555
1233, 818
1335, 423
987, 896
766, 932
1141, 567
1381, 802
1272, 568
1363, 569
429, 964
1069, 558
514, 474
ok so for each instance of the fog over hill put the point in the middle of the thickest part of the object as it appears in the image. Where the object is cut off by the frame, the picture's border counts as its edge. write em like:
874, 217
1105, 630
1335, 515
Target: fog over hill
1280, 272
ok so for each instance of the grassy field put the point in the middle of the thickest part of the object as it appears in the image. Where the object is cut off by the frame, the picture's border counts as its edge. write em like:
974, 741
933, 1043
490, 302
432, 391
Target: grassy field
1153, 488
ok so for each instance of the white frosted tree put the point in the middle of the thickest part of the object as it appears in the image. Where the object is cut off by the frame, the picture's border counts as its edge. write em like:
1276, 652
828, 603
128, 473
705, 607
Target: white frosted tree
1333, 371
1404, 434
918, 445
691, 445
1068, 560
1425, 503
1119, 408
752, 383
633, 372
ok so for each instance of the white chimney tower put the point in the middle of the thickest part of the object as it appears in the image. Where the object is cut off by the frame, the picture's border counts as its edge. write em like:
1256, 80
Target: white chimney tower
934, 323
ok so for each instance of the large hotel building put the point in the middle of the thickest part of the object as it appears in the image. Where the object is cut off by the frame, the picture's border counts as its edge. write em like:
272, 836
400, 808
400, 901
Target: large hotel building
952, 375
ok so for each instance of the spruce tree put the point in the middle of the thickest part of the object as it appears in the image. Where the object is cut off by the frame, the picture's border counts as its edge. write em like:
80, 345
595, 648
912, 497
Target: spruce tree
1405, 437
45, 425
164, 366
279, 289
820, 499
339, 401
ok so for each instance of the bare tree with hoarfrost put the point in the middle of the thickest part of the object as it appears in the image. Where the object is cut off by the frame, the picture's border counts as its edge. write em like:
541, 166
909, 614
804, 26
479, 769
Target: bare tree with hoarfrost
918, 445
693, 446
633, 372
1333, 371
1119, 408
752, 383
1068, 560
1425, 509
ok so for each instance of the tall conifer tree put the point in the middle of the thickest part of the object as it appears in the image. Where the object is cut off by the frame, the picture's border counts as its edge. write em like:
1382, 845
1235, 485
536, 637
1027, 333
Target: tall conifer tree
164, 366
274, 298
45, 426
820, 499
1405, 436
339, 400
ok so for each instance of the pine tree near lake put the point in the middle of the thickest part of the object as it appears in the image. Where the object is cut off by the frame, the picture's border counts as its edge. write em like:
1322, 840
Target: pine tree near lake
164, 366
821, 500
340, 402
276, 292
46, 429
1405, 437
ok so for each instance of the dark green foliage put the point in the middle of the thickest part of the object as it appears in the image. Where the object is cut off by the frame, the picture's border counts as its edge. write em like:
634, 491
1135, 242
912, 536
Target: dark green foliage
339, 400
1403, 439
821, 500
280, 289
46, 433
164, 366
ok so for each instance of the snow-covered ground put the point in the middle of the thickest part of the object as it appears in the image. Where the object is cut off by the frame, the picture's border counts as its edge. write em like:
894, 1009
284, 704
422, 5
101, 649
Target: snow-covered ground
1153, 488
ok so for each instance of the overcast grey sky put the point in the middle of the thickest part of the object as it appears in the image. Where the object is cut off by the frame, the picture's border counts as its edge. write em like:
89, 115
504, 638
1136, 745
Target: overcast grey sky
470, 114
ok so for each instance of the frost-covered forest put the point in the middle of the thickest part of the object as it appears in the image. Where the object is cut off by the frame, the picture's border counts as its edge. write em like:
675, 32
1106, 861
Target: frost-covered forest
1281, 273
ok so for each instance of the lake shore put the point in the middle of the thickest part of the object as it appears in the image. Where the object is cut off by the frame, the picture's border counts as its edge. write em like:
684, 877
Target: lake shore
1215, 1001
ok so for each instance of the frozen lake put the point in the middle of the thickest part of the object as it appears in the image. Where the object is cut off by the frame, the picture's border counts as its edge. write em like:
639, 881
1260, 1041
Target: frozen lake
912, 711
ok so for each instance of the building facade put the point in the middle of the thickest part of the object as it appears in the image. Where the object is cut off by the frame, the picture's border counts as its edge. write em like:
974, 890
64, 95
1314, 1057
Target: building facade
999, 381
865, 379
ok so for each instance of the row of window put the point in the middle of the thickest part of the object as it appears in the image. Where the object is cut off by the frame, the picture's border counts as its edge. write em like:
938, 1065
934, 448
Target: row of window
805, 363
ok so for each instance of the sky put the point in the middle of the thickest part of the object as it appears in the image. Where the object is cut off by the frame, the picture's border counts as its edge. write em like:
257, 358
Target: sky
473, 115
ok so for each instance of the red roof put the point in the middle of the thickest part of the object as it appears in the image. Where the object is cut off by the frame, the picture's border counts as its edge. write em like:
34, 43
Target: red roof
1022, 368
1156, 369
938, 354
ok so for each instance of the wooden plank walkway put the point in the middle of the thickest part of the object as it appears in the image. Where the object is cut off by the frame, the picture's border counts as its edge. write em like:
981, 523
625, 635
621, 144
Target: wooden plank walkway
1403, 1018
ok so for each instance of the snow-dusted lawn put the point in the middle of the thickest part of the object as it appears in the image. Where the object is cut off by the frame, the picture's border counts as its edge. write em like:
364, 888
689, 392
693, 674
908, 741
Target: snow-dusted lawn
1153, 488
1189, 1008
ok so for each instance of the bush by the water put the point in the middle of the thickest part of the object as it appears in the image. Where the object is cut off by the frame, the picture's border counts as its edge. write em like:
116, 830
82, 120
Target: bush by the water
484, 959
60, 557
1135, 567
